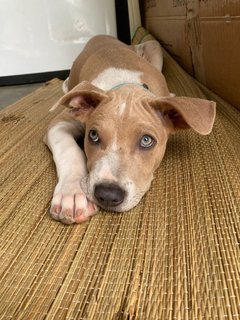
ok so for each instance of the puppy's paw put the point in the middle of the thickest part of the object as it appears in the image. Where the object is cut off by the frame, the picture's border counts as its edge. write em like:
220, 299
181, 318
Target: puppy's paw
70, 205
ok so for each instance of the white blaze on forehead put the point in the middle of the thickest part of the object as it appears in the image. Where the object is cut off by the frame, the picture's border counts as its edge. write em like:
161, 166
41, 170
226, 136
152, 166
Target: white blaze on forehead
112, 77
121, 108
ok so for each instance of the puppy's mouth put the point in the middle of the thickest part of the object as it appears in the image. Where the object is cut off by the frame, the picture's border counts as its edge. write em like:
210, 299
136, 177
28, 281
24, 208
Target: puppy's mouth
110, 195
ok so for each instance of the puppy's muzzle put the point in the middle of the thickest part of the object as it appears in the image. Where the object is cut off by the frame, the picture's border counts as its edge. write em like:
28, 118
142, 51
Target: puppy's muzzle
109, 195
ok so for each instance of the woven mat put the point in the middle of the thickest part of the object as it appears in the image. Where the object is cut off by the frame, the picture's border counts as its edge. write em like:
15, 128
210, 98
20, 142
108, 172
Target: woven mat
175, 256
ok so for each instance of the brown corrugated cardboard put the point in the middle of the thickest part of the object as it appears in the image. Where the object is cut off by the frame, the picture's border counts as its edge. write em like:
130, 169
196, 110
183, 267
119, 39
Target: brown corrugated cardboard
204, 37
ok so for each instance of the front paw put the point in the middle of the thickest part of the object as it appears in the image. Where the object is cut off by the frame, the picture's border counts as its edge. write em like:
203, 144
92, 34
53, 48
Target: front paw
70, 205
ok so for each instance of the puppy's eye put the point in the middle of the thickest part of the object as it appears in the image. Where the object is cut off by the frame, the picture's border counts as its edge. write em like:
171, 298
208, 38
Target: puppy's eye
147, 141
93, 136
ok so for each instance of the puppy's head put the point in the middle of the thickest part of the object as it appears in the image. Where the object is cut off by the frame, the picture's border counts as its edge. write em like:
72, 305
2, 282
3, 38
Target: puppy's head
126, 132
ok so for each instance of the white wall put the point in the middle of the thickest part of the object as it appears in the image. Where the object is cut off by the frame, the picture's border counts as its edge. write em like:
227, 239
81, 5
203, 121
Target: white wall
47, 35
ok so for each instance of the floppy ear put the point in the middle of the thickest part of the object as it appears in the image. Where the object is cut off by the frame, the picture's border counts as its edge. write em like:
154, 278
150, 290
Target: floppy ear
81, 99
185, 112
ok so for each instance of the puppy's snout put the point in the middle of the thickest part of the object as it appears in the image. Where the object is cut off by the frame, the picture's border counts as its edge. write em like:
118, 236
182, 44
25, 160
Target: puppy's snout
109, 195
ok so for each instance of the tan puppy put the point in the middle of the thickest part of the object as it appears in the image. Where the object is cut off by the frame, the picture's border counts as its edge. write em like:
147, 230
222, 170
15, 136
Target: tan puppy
117, 98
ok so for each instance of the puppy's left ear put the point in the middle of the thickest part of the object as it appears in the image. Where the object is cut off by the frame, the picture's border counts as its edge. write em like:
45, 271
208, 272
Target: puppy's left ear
186, 112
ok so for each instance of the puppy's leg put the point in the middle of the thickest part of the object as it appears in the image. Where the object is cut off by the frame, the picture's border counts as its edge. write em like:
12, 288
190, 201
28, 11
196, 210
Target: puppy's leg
150, 51
69, 203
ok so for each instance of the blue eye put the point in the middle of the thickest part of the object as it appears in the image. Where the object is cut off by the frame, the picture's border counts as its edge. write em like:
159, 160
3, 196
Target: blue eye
147, 141
93, 136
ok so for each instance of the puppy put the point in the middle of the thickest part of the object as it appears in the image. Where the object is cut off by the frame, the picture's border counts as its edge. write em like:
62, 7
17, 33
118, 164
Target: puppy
117, 99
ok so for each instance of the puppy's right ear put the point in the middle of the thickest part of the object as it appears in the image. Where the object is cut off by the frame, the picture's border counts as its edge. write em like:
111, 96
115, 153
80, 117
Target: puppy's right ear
82, 99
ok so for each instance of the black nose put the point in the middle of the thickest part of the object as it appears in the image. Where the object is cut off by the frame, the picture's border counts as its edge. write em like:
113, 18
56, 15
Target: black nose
109, 195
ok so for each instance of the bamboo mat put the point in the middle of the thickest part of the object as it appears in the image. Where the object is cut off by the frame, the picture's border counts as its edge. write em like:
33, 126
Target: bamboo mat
174, 256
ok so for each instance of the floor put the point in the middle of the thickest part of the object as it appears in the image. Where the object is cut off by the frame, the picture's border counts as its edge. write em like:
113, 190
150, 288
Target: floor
10, 94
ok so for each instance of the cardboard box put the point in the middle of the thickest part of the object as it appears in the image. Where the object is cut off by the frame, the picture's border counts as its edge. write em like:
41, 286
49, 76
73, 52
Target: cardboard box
204, 37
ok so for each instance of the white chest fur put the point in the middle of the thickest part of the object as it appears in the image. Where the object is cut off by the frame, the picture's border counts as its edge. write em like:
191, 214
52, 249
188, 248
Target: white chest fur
112, 77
